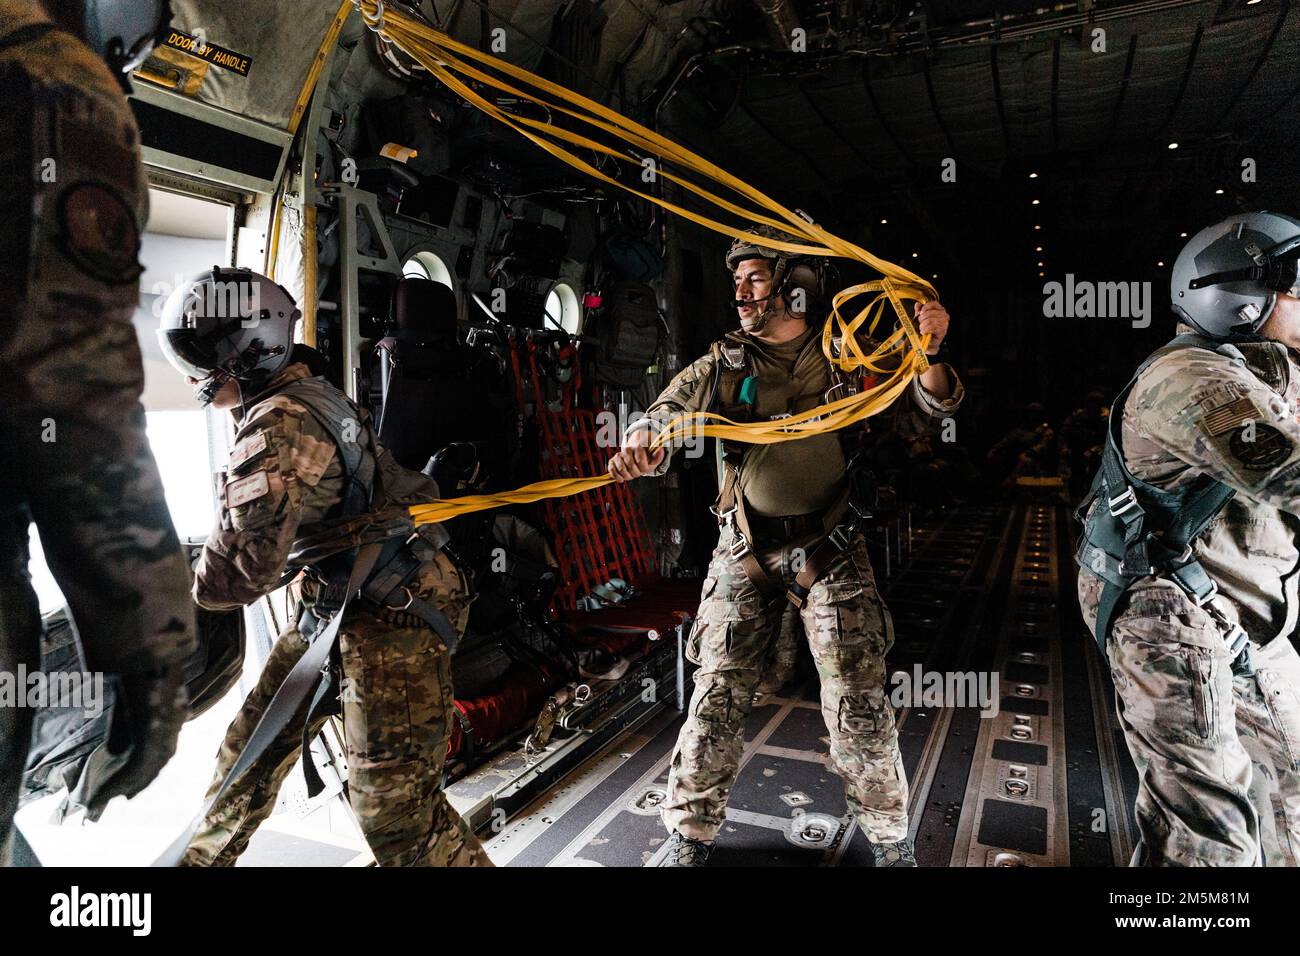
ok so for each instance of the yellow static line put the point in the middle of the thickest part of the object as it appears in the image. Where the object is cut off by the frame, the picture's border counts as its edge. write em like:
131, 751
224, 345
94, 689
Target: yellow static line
899, 357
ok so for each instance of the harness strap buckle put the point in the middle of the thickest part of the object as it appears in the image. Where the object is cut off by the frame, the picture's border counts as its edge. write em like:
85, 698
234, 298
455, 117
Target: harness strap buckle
740, 547
1237, 640
410, 599
1200, 600
733, 356
724, 517
841, 535
1128, 500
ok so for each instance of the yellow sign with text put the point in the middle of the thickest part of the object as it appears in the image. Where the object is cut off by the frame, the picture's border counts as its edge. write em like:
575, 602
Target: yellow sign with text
209, 52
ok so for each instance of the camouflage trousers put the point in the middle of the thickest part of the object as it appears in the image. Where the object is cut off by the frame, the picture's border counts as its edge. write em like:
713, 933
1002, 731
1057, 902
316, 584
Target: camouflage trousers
20, 645
737, 642
397, 707
1218, 754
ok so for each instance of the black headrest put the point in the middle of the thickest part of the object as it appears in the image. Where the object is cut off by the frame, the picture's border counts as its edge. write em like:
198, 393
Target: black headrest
456, 468
423, 309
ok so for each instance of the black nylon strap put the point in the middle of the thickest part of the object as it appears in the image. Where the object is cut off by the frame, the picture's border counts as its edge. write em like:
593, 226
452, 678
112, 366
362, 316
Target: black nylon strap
287, 701
33, 31
1198, 513
314, 783
824, 552
1110, 595
1145, 552
437, 620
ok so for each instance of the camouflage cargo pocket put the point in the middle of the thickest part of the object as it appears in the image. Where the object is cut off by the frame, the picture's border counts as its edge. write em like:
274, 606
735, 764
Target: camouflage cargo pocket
698, 626
717, 704
859, 714
1173, 673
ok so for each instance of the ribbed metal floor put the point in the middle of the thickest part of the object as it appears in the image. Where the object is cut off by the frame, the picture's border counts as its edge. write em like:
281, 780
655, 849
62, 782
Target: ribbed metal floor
1044, 782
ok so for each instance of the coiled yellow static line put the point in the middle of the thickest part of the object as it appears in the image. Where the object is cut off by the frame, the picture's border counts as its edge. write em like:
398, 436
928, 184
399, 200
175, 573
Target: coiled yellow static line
900, 357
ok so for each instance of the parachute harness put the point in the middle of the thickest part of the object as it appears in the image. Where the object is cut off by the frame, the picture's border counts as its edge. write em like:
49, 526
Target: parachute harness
898, 359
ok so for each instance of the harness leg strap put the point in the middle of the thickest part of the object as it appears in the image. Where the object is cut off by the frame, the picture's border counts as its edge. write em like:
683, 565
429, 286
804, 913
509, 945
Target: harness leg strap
838, 538
731, 511
314, 783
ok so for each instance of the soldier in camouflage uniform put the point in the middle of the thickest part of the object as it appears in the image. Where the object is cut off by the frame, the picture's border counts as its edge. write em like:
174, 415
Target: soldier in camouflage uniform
290, 488
77, 461
787, 490
1216, 737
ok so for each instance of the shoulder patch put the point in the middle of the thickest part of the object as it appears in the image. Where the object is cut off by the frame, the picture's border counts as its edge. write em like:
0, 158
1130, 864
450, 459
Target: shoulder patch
1227, 416
98, 232
1263, 450
249, 447
248, 489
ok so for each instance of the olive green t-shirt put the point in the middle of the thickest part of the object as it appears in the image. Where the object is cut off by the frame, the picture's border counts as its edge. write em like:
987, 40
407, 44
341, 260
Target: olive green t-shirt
805, 475
795, 477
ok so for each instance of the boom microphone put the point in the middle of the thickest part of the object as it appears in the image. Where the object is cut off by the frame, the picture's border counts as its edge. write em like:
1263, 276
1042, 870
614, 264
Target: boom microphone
739, 303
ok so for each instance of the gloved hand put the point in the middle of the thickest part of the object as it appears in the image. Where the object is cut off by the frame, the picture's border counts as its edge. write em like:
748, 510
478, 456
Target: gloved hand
150, 709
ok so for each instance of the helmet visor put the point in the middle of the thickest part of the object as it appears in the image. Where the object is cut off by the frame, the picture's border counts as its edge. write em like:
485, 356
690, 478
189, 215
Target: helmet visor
191, 354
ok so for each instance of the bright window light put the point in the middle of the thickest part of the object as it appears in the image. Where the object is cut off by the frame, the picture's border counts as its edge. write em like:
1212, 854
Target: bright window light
562, 306
428, 265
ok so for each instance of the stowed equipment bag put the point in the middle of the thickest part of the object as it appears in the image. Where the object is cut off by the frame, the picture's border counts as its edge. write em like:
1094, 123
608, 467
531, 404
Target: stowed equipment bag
628, 335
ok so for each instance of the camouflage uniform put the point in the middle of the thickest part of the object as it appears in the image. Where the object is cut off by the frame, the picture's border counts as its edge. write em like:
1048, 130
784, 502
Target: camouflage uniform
1218, 753
77, 462
849, 631
285, 479
738, 638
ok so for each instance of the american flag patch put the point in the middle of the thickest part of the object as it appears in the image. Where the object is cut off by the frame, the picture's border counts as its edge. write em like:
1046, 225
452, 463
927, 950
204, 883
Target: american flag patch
1227, 417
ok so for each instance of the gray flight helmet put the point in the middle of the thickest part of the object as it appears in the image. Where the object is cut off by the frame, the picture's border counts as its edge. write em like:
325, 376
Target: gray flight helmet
228, 324
1227, 278
124, 32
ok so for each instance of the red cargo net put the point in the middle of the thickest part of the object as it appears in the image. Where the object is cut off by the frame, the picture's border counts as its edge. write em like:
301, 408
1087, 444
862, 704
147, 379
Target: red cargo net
598, 535
518, 697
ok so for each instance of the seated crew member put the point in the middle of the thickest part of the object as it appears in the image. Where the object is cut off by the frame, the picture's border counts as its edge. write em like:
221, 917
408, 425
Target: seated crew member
779, 503
306, 485
1201, 485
